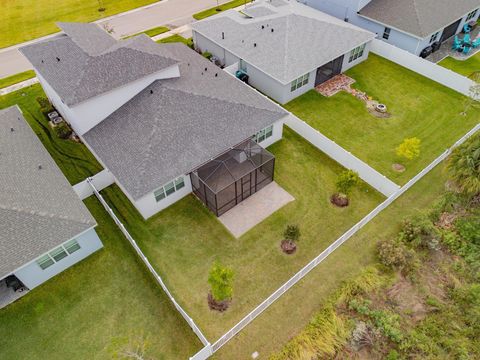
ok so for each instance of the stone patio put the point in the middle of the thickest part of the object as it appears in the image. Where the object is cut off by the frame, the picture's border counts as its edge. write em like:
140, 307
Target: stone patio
255, 209
334, 85
446, 49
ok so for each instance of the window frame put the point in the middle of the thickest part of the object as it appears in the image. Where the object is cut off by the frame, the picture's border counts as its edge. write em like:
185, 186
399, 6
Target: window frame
357, 53
471, 15
50, 257
299, 82
434, 37
166, 190
386, 33
263, 134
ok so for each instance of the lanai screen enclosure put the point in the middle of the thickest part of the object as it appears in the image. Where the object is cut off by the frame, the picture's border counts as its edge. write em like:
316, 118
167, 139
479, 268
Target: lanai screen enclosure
232, 177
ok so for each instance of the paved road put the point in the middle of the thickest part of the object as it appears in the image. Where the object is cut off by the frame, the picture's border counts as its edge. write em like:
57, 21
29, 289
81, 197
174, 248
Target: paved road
168, 12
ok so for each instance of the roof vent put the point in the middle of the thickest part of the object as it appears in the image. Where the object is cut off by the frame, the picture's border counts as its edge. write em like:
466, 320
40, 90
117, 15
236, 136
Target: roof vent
254, 44
42, 61
223, 35
151, 92
40, 167
271, 30
206, 69
216, 74
263, 27
58, 59
12, 129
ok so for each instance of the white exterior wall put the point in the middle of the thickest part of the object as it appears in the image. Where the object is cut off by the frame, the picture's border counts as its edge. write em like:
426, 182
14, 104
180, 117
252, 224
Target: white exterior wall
346, 65
276, 135
84, 116
32, 275
203, 44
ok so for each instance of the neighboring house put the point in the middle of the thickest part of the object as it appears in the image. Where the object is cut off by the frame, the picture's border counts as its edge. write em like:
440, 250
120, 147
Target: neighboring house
46, 228
411, 25
154, 113
285, 48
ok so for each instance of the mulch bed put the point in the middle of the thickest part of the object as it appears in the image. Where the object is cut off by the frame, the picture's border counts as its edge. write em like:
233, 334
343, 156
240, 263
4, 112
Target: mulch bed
217, 305
398, 168
288, 247
339, 200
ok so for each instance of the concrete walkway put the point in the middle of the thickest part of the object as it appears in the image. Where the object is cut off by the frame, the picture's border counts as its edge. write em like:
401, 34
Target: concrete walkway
255, 209
171, 13
18, 86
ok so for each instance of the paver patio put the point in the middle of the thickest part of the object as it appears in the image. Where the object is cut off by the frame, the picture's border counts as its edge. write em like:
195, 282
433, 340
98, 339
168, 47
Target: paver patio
255, 209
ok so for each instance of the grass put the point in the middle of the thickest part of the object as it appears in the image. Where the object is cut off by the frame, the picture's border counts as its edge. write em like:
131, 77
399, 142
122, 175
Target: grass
215, 10
83, 312
23, 20
14, 79
151, 32
176, 38
183, 241
419, 107
463, 67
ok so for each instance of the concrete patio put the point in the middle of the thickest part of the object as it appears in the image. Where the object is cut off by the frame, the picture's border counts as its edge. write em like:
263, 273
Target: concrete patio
446, 49
255, 209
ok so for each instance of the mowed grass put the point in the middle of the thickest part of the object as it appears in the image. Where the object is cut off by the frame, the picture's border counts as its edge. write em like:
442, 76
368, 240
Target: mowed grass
84, 312
463, 67
420, 108
151, 32
23, 20
15, 79
217, 9
176, 38
183, 241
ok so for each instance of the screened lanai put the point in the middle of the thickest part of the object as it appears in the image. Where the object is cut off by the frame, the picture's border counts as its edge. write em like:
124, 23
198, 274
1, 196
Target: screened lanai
232, 177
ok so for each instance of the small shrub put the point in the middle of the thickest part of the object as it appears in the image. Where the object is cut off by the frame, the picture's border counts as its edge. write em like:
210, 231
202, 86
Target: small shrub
469, 229
207, 55
395, 255
220, 280
44, 103
292, 233
346, 181
419, 231
409, 148
62, 130
393, 355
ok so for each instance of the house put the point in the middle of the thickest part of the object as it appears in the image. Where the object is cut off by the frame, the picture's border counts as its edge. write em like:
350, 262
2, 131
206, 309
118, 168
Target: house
284, 47
153, 114
46, 228
412, 25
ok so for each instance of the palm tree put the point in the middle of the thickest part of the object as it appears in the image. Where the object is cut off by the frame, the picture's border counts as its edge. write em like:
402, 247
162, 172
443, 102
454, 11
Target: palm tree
464, 166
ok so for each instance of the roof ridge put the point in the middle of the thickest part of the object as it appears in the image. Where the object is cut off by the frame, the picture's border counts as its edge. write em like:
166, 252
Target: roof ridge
43, 214
417, 15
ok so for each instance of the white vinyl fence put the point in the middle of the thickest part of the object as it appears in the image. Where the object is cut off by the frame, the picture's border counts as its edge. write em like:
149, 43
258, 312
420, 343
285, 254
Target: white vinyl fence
423, 67
144, 259
101, 180
324, 254
342, 156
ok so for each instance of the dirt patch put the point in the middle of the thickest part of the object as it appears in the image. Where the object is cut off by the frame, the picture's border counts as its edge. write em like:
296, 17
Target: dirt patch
220, 306
398, 168
339, 200
407, 300
288, 247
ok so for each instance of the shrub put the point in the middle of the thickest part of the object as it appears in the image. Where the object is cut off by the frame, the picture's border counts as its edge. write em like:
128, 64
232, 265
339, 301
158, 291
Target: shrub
62, 130
346, 181
469, 229
419, 231
464, 166
220, 280
207, 55
44, 103
409, 148
395, 255
292, 233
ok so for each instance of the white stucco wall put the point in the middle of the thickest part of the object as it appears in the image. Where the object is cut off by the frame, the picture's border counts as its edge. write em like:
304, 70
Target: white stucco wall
32, 275
346, 65
84, 116
276, 134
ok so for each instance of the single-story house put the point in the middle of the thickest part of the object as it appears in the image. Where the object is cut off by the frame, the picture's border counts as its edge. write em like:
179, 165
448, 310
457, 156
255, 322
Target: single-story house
153, 114
46, 228
284, 47
412, 25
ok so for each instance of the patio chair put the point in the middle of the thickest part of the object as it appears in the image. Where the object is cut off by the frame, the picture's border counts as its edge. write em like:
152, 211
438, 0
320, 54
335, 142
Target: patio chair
466, 49
476, 43
466, 28
457, 44
467, 40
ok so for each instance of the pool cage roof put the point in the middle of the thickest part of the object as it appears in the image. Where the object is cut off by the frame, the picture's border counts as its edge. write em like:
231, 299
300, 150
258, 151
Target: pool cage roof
233, 165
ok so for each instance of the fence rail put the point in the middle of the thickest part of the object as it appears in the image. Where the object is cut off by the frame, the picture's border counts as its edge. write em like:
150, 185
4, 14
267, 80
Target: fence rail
324, 254
145, 260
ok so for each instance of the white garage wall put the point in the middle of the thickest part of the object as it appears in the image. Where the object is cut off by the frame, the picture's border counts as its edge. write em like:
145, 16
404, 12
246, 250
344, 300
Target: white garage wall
32, 275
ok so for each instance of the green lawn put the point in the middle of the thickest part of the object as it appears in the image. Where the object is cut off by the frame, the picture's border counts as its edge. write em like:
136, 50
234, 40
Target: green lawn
152, 32
84, 311
420, 108
183, 241
23, 20
176, 38
463, 67
215, 10
14, 79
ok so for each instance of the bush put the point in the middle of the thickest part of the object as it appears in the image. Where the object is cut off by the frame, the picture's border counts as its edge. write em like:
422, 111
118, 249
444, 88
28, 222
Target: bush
469, 229
292, 233
207, 55
409, 148
395, 255
464, 166
220, 280
45, 104
62, 130
346, 181
419, 231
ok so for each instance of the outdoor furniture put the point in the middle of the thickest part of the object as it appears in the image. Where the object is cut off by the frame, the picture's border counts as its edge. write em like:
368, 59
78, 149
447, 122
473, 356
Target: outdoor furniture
466, 49
466, 28
467, 40
476, 43
457, 44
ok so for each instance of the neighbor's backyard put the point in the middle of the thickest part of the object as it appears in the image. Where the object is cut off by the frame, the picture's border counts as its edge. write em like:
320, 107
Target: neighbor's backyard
419, 108
23, 20
463, 67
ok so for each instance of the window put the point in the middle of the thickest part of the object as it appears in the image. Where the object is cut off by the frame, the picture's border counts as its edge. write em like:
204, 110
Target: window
169, 189
72, 246
471, 15
58, 254
298, 83
263, 134
356, 53
386, 33
434, 37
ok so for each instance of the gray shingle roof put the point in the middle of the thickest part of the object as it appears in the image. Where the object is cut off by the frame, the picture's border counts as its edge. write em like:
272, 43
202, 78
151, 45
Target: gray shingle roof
418, 17
87, 62
302, 38
183, 123
38, 208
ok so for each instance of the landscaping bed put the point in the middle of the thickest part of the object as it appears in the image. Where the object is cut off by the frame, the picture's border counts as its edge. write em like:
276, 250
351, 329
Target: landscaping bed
418, 108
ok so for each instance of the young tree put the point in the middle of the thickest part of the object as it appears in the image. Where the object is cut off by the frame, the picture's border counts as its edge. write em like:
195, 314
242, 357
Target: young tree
464, 166
409, 148
346, 181
221, 282
292, 233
